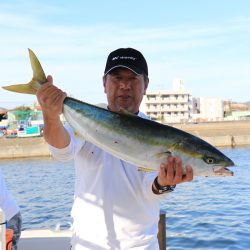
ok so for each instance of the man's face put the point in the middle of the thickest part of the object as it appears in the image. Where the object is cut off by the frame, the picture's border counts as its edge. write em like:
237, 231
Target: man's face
124, 89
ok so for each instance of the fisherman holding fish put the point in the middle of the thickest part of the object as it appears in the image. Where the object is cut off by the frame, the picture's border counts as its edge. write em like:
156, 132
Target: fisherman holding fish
124, 162
116, 206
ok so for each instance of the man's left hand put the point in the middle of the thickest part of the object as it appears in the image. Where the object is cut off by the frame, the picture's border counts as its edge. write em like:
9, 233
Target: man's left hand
172, 173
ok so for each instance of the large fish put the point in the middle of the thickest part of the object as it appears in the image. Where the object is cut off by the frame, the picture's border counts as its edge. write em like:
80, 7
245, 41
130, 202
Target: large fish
139, 141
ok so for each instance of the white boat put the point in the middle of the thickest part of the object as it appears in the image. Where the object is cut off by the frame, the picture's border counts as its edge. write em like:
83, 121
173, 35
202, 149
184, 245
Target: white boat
42, 239
28, 131
45, 239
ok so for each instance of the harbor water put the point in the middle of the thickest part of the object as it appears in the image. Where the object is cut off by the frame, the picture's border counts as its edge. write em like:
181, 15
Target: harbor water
207, 213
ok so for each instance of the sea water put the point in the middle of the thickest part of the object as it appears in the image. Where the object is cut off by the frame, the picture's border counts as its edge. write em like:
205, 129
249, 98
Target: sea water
212, 213
207, 213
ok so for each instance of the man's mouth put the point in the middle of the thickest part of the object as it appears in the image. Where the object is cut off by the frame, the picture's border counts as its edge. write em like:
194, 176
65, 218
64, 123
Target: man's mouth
124, 97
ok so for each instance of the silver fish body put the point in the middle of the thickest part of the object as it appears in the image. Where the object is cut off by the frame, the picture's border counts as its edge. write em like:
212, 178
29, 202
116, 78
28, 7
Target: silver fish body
143, 142
139, 141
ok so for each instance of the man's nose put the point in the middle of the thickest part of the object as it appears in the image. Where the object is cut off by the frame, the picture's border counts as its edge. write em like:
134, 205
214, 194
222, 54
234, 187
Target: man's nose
125, 84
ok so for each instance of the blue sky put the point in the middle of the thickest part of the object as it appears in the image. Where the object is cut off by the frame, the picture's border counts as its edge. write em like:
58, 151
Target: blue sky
205, 43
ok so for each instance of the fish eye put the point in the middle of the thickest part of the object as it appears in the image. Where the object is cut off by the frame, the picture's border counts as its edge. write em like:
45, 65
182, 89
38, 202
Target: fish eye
209, 160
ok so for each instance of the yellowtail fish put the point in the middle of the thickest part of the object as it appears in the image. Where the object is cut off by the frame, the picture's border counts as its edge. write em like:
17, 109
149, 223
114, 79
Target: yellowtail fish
139, 141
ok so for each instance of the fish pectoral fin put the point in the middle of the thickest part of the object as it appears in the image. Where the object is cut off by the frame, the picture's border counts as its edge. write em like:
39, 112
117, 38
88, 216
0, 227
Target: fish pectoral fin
27, 88
145, 169
163, 154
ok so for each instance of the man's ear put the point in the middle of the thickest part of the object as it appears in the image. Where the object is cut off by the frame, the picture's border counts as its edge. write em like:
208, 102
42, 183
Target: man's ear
104, 83
145, 85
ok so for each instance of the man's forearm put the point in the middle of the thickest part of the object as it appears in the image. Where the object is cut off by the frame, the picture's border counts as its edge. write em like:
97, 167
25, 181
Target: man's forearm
55, 134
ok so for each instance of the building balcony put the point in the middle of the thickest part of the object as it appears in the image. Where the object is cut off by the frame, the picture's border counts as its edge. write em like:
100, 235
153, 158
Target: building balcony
172, 109
160, 101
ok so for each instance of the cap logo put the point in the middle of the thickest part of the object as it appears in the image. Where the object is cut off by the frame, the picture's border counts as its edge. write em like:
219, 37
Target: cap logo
123, 57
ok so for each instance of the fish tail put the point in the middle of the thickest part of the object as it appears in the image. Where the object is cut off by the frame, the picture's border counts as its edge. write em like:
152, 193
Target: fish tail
38, 79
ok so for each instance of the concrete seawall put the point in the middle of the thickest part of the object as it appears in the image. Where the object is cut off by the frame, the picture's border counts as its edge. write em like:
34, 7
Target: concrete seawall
219, 134
23, 147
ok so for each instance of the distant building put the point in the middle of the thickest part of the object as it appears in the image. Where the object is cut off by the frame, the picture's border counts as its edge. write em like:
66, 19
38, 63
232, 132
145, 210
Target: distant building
29, 116
169, 106
25, 122
208, 109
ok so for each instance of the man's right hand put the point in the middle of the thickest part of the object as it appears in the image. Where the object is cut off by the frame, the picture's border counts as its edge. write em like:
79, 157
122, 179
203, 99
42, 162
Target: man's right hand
51, 99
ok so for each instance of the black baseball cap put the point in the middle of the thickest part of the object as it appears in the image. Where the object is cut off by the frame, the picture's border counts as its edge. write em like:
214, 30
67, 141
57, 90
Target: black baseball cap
127, 58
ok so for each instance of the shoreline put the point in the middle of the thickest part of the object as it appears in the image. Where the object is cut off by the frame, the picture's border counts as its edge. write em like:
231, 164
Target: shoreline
219, 134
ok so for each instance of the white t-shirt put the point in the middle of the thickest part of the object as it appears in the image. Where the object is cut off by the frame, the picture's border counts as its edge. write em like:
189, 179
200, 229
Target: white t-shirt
7, 202
114, 206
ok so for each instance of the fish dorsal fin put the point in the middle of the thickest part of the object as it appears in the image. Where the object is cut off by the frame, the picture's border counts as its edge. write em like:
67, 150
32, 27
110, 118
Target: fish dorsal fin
102, 105
125, 112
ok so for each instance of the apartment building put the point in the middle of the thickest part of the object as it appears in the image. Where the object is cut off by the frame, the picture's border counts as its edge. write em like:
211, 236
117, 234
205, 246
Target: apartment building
208, 109
168, 106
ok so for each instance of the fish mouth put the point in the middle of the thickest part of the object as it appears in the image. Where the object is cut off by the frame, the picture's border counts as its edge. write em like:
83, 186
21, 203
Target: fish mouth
223, 171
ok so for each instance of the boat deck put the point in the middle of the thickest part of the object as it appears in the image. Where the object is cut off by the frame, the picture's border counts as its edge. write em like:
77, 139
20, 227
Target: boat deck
45, 239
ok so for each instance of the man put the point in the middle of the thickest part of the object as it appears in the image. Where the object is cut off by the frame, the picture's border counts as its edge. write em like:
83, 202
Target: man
116, 206
11, 211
